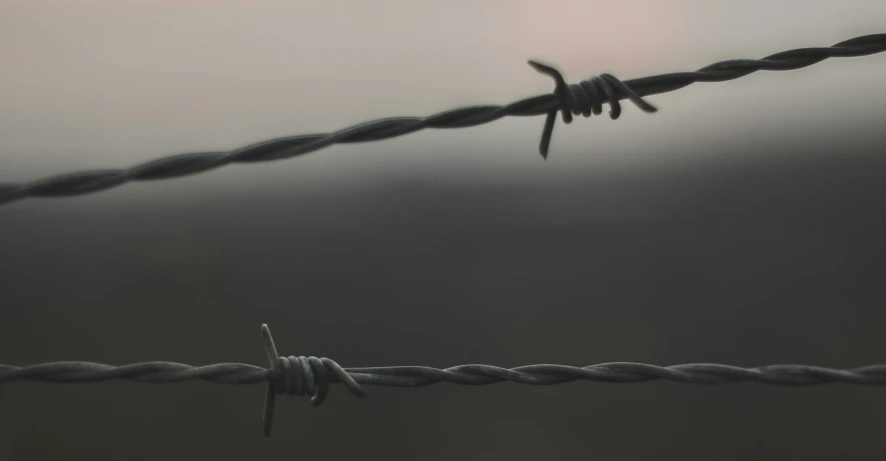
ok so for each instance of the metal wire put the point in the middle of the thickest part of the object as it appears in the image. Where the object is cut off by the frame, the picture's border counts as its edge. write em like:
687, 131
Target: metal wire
313, 376
584, 98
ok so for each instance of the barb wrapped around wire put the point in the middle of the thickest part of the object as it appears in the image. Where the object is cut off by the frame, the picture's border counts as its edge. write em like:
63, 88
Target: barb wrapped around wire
300, 375
585, 98
313, 376
565, 99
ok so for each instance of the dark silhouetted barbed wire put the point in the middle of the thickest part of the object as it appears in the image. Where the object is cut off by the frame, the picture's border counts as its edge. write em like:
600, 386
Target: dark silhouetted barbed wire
585, 98
312, 375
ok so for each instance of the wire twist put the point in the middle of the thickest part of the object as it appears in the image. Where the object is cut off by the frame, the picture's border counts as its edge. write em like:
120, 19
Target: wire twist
313, 376
565, 99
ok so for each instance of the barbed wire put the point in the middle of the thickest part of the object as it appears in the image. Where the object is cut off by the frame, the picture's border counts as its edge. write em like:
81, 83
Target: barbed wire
584, 98
313, 376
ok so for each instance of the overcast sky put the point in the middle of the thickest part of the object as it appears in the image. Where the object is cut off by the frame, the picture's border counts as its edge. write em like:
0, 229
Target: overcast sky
107, 84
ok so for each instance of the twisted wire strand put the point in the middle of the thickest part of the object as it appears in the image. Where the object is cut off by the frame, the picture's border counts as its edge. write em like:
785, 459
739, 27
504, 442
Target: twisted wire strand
313, 376
419, 376
584, 98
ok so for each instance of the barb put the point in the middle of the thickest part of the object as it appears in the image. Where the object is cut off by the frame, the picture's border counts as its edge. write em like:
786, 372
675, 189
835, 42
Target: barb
313, 376
584, 98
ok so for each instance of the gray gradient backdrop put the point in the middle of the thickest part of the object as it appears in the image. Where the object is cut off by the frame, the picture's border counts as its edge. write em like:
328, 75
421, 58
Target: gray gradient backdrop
741, 224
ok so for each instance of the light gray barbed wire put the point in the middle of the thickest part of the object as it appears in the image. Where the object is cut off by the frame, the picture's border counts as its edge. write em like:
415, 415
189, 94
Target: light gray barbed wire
312, 376
584, 98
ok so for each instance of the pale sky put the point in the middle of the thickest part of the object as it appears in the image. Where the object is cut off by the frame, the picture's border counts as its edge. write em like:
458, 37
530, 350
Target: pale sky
110, 83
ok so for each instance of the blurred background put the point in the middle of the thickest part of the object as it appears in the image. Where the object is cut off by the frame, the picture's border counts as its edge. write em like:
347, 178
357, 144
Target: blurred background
740, 224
